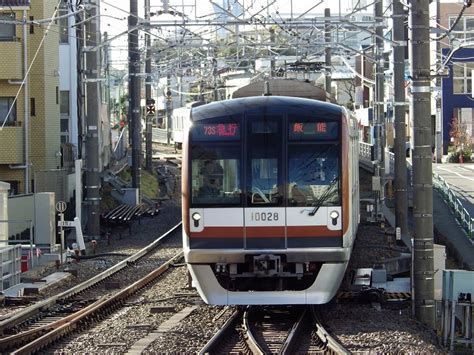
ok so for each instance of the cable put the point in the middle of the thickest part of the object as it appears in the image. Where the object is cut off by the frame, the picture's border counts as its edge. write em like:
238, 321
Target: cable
30, 66
465, 6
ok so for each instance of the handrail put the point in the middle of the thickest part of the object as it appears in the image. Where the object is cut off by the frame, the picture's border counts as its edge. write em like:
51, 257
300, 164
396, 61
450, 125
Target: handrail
460, 213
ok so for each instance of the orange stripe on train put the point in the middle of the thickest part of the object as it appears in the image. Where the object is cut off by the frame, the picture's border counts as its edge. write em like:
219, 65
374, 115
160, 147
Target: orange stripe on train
265, 232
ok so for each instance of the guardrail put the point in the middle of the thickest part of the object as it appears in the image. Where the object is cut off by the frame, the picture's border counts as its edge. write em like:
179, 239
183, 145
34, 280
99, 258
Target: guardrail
366, 156
460, 213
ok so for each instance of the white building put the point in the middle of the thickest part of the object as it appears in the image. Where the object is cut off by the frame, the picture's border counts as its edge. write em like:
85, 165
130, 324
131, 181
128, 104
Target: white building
68, 77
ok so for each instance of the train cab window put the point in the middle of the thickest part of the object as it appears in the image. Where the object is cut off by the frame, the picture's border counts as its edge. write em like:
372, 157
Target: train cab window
215, 176
313, 175
215, 152
264, 162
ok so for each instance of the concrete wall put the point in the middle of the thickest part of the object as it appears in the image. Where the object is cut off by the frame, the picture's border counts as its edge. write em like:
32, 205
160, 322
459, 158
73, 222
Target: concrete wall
20, 210
38, 208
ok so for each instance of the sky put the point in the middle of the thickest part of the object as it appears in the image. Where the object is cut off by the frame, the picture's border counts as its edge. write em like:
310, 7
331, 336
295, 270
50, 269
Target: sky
114, 14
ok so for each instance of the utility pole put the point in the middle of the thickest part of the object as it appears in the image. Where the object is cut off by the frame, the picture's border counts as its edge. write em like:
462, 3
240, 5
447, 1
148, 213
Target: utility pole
92, 112
401, 201
214, 76
379, 105
327, 50
272, 57
134, 93
423, 268
168, 108
148, 134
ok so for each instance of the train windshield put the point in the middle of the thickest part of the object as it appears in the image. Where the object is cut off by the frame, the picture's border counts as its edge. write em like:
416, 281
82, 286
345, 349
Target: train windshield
313, 162
264, 179
313, 174
216, 161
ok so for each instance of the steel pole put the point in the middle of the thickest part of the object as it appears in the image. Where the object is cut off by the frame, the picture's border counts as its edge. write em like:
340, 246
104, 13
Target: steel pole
134, 93
422, 164
379, 106
148, 134
401, 200
92, 113
327, 50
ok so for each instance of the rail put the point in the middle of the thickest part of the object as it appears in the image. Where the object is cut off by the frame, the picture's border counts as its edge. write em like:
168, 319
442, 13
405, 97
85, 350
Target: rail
26, 313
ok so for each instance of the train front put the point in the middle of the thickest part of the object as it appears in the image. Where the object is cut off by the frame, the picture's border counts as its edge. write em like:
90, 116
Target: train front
266, 216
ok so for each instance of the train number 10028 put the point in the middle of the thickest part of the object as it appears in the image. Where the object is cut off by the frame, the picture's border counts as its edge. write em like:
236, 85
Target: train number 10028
264, 216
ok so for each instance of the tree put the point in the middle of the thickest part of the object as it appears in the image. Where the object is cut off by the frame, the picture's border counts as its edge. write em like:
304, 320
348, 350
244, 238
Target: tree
460, 140
458, 133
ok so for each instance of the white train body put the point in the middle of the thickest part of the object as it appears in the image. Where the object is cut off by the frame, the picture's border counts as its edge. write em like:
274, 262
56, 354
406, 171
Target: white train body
280, 226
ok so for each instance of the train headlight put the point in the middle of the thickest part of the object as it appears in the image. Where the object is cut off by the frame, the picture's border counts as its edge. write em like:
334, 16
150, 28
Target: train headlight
196, 216
334, 215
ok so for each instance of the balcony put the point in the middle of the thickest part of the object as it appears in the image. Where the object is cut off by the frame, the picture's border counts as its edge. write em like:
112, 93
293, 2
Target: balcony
11, 63
11, 150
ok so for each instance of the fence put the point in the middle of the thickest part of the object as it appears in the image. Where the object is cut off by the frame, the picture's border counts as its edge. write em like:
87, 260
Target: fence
461, 214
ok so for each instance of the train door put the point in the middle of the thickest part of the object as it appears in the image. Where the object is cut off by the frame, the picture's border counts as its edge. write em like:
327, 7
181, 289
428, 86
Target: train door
264, 212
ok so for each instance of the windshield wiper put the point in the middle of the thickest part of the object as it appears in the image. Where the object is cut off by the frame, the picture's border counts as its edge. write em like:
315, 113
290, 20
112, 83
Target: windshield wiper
326, 195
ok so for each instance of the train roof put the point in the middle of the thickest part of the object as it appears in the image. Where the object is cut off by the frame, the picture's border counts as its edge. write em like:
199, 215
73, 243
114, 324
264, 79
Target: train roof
268, 105
283, 87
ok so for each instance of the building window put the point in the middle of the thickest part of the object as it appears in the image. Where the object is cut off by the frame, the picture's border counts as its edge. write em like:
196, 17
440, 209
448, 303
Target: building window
462, 77
65, 125
64, 103
63, 23
7, 30
5, 104
14, 187
464, 29
64, 111
32, 106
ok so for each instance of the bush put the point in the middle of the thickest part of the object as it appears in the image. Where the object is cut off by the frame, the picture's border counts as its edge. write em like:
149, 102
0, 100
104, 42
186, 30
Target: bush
454, 156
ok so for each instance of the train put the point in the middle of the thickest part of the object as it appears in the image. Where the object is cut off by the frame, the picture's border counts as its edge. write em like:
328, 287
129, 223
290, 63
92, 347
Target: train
179, 117
270, 199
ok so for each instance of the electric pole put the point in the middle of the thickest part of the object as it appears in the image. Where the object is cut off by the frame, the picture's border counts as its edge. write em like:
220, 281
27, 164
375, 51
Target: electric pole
92, 112
423, 268
379, 105
168, 108
401, 202
272, 57
327, 50
148, 134
134, 93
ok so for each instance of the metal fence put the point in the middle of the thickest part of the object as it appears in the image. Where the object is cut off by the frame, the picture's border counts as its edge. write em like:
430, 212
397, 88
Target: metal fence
463, 217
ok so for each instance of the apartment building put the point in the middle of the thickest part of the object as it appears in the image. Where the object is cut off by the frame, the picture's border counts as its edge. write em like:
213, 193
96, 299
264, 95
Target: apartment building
456, 99
29, 91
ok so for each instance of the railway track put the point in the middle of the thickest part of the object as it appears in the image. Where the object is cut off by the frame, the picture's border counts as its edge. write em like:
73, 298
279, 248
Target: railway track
274, 330
41, 324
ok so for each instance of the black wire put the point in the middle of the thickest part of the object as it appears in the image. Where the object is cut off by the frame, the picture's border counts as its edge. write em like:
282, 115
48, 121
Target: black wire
452, 26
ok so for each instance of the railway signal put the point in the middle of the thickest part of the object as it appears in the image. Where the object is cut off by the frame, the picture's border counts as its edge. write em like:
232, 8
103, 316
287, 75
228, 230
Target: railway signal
150, 107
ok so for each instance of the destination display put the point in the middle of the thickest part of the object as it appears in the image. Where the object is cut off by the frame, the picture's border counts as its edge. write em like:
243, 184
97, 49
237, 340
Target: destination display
300, 130
215, 131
